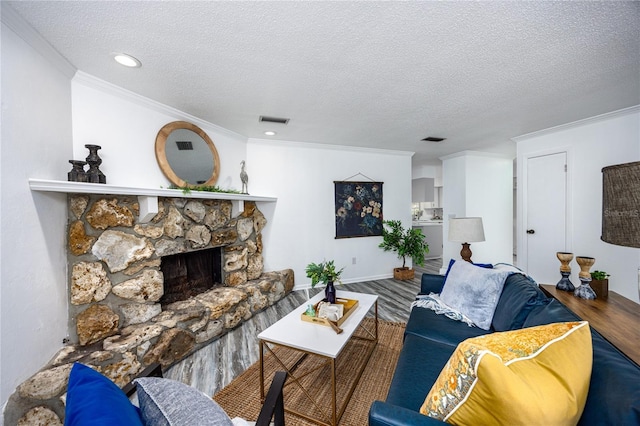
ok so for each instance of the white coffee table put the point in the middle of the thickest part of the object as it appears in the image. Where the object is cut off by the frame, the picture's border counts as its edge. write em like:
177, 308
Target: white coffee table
319, 340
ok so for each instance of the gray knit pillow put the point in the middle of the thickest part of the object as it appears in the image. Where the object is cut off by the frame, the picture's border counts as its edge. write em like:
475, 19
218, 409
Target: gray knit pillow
474, 291
165, 402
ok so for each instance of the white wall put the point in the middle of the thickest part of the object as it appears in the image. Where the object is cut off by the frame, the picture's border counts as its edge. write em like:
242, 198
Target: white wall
593, 144
477, 184
453, 205
125, 125
36, 141
301, 225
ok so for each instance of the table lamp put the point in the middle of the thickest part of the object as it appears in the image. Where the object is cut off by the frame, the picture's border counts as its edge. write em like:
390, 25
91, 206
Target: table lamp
466, 230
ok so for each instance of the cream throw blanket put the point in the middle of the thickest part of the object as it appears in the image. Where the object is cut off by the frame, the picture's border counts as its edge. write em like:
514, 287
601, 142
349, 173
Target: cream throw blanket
432, 301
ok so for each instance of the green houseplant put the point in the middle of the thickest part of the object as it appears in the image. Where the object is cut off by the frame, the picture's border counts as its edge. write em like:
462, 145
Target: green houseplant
326, 273
406, 243
599, 275
600, 283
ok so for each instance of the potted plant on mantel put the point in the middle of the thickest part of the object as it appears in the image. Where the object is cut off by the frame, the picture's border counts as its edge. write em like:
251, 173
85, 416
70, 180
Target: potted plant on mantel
407, 243
600, 283
326, 273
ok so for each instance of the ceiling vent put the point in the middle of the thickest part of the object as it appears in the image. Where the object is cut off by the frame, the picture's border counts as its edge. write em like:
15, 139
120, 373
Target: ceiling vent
277, 120
433, 139
184, 145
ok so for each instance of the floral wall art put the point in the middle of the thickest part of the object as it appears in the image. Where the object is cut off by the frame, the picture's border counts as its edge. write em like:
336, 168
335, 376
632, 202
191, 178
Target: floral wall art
358, 209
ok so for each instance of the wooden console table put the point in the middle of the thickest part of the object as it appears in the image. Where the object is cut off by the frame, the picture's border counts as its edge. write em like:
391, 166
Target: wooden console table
616, 318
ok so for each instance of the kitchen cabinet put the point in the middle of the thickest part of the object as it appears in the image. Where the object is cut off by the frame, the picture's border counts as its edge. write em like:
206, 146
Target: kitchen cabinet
432, 231
437, 197
422, 190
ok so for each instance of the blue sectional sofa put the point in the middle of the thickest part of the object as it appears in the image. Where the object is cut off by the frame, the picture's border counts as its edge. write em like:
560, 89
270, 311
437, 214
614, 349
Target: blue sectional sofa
430, 339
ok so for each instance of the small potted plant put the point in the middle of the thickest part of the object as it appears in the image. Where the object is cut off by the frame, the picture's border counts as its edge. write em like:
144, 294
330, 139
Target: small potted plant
326, 273
406, 243
600, 283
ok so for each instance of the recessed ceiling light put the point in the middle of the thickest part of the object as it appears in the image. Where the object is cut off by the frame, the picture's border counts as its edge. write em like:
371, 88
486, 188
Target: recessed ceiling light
270, 133
127, 60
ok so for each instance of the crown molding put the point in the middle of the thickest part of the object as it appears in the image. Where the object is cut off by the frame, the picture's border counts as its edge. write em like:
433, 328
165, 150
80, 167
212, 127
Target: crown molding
578, 123
330, 147
91, 81
18, 25
478, 154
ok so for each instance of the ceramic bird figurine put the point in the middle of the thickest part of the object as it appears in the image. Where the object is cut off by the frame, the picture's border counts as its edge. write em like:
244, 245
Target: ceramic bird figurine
244, 178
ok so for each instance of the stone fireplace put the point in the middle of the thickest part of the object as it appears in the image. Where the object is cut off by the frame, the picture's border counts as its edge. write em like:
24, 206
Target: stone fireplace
141, 293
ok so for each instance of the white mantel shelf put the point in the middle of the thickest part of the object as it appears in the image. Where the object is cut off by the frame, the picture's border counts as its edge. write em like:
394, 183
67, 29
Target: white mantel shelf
97, 188
147, 197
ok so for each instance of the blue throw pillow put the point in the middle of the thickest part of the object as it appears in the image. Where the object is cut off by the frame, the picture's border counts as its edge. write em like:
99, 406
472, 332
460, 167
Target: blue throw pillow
93, 399
480, 265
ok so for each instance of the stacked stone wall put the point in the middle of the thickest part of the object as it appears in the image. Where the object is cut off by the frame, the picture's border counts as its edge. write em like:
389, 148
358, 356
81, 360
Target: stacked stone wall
114, 261
117, 324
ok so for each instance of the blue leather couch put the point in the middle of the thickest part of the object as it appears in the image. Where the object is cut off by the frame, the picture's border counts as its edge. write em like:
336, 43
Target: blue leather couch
430, 339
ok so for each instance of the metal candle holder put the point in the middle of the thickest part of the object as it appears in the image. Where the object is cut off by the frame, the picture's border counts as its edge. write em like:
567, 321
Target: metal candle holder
77, 173
94, 174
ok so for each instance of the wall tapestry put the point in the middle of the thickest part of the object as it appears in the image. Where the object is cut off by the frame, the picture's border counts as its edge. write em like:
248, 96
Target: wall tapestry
358, 209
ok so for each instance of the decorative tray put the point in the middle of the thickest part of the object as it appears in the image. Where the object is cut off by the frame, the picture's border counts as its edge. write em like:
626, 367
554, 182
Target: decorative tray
349, 306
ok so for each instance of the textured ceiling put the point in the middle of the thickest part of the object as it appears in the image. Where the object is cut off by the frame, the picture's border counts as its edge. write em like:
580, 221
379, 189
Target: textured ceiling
370, 74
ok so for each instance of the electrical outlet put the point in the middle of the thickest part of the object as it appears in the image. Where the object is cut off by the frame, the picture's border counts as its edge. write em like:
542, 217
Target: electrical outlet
353, 261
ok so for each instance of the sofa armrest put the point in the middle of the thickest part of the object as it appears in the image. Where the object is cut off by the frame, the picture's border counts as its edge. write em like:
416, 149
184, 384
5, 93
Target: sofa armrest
431, 283
383, 414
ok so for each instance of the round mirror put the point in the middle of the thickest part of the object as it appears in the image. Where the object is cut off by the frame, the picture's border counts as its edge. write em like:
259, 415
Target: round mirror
186, 155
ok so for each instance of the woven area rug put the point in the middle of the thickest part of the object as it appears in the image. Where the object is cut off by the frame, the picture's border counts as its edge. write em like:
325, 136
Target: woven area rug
241, 398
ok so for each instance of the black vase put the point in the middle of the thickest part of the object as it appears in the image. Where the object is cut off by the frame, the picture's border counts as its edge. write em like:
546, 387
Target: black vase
330, 292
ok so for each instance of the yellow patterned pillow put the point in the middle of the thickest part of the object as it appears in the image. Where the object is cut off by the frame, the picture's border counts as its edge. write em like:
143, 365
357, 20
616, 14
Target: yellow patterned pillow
533, 376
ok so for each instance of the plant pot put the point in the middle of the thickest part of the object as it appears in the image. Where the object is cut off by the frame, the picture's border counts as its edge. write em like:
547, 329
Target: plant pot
403, 273
601, 287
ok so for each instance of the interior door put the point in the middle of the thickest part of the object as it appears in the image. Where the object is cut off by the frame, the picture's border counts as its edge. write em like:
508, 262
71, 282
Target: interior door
546, 215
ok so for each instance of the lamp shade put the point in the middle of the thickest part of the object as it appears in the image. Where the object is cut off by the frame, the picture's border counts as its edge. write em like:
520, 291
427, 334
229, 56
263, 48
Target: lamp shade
621, 204
466, 230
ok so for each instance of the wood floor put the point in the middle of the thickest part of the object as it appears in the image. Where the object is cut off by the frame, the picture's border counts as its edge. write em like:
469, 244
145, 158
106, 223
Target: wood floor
216, 365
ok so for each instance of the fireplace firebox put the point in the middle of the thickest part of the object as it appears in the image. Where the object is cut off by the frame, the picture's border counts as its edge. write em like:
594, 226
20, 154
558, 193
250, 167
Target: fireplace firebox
189, 274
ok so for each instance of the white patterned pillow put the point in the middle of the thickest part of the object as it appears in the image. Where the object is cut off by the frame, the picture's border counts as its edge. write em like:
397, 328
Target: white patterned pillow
474, 291
165, 402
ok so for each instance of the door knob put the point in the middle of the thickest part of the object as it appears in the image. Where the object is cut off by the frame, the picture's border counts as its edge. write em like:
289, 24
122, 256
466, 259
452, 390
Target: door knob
530, 231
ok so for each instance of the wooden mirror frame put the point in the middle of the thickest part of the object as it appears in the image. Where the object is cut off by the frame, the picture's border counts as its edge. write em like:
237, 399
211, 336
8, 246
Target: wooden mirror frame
163, 162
